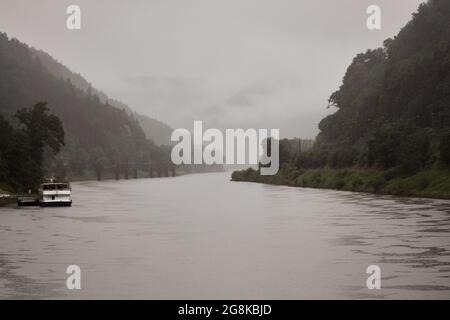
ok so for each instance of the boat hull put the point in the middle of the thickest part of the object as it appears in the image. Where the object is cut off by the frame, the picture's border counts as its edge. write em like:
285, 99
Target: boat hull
56, 204
27, 202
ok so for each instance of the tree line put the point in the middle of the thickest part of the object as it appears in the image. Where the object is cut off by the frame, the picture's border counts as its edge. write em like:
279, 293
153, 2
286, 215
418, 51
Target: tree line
98, 136
22, 147
393, 107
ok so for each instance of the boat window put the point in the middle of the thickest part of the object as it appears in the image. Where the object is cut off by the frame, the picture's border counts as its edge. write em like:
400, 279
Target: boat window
59, 186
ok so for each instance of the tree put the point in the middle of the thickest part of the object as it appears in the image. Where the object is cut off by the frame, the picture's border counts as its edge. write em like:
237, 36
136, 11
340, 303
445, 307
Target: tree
401, 145
90, 118
41, 129
445, 148
6, 136
37, 129
78, 159
393, 101
97, 161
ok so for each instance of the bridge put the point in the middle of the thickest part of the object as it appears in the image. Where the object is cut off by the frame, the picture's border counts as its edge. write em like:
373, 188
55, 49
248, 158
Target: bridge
126, 170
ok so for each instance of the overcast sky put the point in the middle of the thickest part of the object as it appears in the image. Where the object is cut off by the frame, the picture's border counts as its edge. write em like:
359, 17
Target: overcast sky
230, 63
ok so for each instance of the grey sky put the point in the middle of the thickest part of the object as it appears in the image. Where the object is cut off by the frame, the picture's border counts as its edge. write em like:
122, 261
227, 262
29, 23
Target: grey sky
230, 63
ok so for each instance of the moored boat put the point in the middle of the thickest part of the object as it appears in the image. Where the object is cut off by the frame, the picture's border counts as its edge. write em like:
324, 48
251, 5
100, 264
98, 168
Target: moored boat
55, 194
27, 202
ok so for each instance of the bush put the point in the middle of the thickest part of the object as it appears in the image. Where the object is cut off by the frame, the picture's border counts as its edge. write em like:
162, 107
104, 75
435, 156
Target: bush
444, 148
344, 157
402, 146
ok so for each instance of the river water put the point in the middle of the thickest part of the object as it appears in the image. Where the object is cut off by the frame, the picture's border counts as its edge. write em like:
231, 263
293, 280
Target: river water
204, 237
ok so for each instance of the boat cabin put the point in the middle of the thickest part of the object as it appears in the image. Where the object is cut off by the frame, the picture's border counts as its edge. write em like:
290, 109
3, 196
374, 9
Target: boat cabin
55, 194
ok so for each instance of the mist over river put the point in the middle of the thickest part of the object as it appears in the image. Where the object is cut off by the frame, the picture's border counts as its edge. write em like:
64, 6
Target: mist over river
204, 237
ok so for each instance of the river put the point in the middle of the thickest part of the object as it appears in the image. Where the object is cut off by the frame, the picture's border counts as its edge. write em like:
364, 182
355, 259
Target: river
204, 237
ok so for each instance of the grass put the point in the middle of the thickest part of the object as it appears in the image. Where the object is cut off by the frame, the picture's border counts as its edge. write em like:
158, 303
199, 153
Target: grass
432, 183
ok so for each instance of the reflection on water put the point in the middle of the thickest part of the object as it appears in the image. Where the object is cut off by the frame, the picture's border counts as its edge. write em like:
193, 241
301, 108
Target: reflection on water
203, 237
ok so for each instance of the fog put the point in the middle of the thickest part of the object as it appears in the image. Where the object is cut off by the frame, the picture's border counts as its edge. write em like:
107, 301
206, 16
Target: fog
234, 63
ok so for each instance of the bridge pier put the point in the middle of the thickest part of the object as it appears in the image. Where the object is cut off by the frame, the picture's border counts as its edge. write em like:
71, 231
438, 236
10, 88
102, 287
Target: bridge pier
150, 171
99, 173
117, 172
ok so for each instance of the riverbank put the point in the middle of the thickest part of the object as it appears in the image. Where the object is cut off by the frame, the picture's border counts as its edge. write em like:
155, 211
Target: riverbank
4, 201
431, 183
6, 197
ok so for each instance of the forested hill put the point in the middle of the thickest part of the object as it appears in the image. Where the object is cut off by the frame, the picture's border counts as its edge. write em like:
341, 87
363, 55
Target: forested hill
390, 132
96, 132
394, 103
154, 129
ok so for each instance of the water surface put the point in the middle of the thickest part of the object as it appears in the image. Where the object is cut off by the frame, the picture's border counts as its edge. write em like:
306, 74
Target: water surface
204, 237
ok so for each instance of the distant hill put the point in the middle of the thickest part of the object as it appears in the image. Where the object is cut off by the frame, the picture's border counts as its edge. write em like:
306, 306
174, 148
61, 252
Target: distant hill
97, 133
154, 129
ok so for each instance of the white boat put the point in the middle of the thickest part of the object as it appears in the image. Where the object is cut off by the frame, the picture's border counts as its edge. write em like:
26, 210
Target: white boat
55, 194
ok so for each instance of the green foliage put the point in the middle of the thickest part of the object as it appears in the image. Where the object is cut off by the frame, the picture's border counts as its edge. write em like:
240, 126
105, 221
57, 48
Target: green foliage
356, 100
21, 153
343, 157
91, 122
391, 127
392, 104
40, 129
399, 145
6, 138
245, 175
153, 129
444, 148
428, 183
